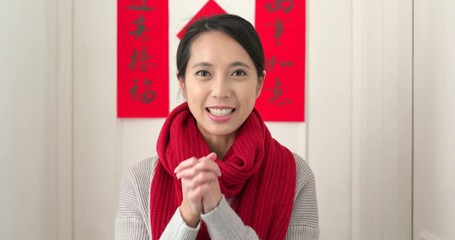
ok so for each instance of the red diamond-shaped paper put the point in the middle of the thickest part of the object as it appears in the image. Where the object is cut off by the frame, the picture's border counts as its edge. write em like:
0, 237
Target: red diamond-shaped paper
211, 8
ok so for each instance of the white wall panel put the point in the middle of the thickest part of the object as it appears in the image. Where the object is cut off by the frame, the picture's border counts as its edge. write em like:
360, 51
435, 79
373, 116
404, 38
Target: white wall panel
329, 112
97, 143
28, 175
434, 114
382, 120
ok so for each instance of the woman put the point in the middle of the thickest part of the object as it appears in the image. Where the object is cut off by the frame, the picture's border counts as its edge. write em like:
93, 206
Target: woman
219, 174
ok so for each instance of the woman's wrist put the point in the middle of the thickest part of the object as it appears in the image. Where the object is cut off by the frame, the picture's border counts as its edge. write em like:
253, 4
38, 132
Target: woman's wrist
191, 219
211, 200
208, 206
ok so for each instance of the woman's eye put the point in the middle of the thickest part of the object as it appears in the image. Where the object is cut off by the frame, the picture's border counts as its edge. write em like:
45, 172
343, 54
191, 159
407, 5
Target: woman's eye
202, 73
239, 73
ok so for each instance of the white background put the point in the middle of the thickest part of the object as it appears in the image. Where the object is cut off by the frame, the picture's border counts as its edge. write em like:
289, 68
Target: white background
378, 131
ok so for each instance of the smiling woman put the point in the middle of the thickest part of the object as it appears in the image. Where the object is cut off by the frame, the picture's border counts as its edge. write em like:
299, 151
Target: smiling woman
221, 86
219, 174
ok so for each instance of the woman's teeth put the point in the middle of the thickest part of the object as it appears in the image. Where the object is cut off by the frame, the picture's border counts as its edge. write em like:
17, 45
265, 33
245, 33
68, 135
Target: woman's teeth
220, 112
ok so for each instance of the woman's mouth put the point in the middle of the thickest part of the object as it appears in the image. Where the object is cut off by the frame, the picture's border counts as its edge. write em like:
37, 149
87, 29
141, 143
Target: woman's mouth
220, 112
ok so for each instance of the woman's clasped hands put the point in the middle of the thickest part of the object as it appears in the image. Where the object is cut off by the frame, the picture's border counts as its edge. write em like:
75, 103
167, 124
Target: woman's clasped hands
200, 188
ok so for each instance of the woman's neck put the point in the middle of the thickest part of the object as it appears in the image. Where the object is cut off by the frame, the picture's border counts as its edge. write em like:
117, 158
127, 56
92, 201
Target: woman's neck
219, 144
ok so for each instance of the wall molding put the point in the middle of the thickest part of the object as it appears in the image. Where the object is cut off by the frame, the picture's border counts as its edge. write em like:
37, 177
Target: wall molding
425, 235
64, 73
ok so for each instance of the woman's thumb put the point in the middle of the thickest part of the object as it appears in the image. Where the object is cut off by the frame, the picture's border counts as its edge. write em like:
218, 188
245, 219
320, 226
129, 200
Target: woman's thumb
212, 156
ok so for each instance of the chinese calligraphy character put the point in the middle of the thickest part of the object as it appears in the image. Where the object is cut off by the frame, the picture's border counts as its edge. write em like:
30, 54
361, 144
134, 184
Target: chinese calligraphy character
280, 5
142, 58
277, 93
279, 29
147, 96
141, 28
143, 7
270, 64
286, 64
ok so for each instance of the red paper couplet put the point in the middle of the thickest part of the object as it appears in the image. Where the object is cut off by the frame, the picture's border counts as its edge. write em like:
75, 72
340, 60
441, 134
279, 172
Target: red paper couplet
281, 26
143, 58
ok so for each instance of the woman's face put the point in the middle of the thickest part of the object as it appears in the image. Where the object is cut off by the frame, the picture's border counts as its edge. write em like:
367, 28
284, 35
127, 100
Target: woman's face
221, 84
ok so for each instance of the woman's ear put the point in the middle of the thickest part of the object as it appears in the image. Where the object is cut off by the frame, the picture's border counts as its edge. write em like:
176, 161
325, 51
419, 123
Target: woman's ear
182, 85
260, 84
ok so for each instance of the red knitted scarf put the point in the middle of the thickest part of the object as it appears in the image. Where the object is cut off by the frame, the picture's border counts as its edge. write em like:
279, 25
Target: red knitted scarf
257, 171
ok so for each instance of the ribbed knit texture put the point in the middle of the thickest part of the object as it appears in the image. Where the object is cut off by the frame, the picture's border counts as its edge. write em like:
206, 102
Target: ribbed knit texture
257, 170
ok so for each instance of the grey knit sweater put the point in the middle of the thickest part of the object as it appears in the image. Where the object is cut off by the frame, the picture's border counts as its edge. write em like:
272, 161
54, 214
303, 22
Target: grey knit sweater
133, 219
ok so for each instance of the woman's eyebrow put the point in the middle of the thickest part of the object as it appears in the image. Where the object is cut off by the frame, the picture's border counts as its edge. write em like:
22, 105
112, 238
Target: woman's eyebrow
239, 63
234, 64
202, 64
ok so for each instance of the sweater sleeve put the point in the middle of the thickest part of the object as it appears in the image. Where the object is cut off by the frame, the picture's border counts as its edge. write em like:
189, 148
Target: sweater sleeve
224, 223
304, 222
133, 218
177, 229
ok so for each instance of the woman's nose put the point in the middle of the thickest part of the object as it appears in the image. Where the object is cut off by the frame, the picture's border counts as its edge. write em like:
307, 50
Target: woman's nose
221, 88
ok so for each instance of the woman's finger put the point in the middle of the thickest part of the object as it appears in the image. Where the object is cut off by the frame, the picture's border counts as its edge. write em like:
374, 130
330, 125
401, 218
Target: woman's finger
201, 179
200, 191
204, 165
208, 164
211, 156
190, 162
